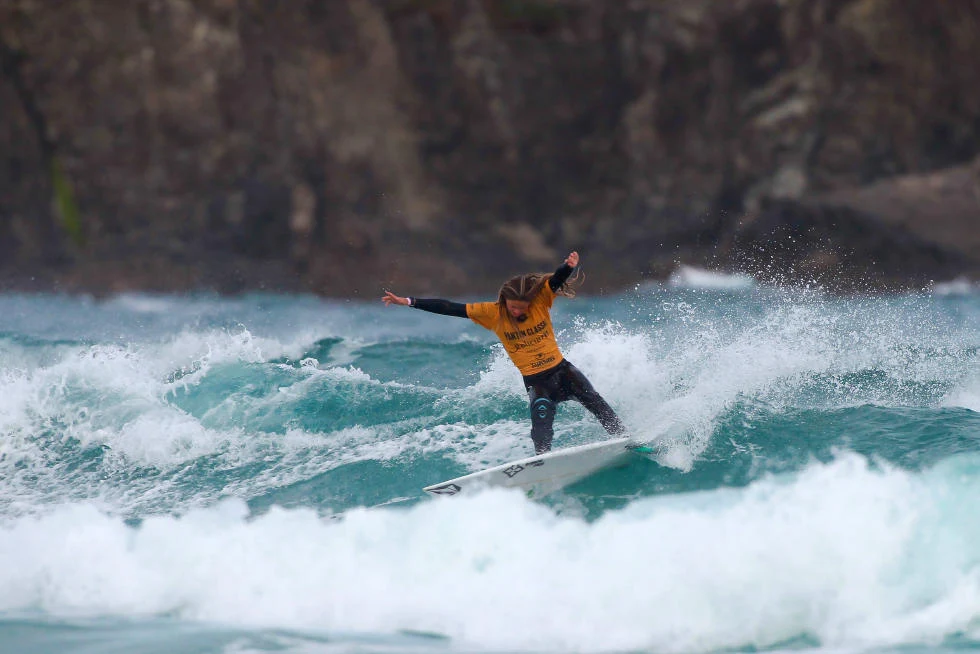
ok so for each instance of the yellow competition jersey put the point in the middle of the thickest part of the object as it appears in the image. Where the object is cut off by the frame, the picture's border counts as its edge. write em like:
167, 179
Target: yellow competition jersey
531, 344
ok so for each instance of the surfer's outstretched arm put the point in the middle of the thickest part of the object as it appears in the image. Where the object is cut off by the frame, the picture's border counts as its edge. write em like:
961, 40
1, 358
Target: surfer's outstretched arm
443, 307
564, 272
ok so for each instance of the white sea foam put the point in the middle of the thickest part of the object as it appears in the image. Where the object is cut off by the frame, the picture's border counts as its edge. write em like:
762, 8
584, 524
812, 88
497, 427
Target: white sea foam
107, 395
146, 303
673, 394
119, 400
966, 393
691, 277
852, 556
958, 286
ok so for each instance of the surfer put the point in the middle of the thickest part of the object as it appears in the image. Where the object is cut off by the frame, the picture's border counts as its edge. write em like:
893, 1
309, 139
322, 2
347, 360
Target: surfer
521, 319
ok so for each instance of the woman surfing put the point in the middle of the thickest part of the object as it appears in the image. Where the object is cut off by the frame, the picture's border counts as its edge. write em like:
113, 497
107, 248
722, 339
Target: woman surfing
521, 319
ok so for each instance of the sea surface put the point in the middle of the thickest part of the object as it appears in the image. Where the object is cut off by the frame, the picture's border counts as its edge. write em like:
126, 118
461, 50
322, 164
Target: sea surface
198, 474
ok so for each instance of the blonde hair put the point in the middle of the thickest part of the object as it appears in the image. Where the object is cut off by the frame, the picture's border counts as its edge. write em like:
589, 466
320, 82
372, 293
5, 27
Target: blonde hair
524, 288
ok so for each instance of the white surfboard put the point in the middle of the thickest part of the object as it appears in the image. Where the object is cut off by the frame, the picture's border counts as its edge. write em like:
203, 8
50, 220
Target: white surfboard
546, 473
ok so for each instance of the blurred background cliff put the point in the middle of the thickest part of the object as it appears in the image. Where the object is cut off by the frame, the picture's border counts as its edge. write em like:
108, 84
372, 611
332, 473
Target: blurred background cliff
338, 146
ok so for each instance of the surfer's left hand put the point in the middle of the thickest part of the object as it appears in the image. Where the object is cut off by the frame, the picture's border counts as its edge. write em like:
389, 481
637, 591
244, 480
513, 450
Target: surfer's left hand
390, 298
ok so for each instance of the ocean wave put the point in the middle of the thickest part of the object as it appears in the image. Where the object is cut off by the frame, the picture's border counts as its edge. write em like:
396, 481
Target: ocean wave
844, 553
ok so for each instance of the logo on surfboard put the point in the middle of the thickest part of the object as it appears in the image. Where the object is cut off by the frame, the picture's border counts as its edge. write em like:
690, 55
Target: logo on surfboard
512, 471
448, 489
517, 468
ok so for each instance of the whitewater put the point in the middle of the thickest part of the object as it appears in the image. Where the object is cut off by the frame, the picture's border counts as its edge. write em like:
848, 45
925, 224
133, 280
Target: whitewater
202, 474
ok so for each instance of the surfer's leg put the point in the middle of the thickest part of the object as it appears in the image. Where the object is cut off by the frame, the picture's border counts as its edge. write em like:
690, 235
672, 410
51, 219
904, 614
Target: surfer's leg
575, 384
542, 419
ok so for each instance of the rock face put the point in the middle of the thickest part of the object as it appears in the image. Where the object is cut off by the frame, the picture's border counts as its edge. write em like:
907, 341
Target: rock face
907, 231
440, 145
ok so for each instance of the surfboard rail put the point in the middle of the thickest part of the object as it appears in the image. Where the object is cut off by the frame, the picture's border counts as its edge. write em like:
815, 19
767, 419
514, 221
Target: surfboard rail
545, 473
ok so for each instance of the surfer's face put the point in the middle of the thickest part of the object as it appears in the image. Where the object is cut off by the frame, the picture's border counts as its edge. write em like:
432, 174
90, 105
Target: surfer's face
517, 309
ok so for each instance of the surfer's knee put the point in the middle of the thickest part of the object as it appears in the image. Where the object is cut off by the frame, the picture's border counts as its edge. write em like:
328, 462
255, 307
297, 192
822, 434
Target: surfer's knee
542, 424
542, 411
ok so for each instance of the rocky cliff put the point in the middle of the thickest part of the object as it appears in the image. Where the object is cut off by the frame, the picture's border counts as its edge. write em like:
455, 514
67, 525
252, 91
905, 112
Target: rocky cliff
337, 146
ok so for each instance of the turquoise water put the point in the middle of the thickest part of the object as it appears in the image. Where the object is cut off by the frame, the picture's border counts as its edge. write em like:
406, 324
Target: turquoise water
204, 474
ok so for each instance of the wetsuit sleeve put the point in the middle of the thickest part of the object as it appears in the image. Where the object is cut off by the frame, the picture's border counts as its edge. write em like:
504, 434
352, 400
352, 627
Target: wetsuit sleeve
442, 307
560, 277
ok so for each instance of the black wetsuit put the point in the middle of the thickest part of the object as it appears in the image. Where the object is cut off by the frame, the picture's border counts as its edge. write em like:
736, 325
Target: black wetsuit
547, 388
564, 382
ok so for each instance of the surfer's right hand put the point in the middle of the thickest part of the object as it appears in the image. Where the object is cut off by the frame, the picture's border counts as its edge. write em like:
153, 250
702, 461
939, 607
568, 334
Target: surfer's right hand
390, 298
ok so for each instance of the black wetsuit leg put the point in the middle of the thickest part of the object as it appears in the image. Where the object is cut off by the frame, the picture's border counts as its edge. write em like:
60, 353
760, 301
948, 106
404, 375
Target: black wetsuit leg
544, 391
543, 398
564, 382
576, 386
